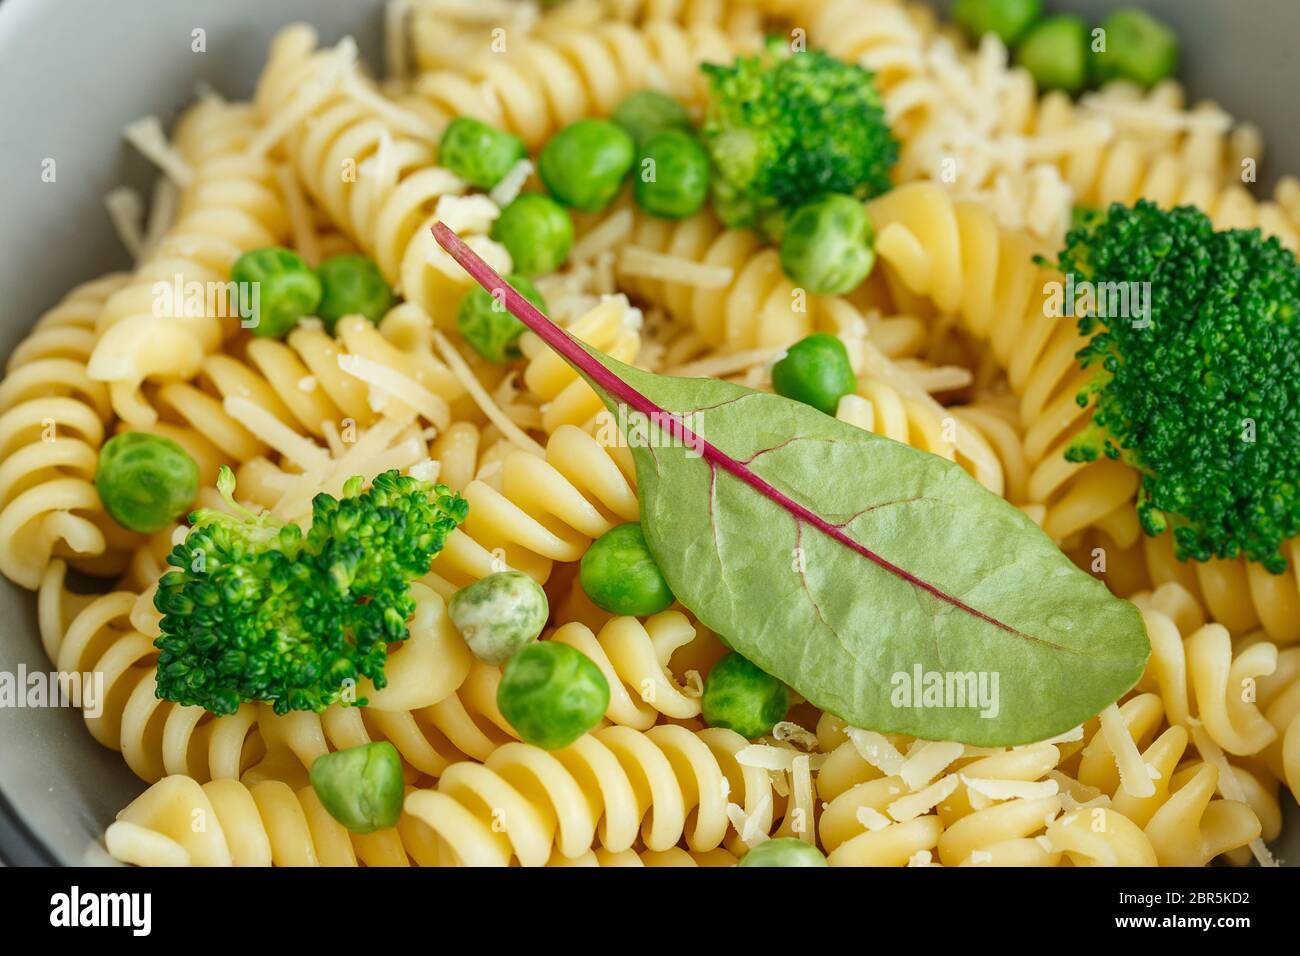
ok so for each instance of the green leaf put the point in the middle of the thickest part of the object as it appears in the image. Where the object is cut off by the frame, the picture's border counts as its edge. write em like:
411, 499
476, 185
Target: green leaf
841, 562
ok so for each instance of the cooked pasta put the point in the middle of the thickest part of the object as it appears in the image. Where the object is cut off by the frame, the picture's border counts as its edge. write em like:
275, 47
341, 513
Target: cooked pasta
948, 345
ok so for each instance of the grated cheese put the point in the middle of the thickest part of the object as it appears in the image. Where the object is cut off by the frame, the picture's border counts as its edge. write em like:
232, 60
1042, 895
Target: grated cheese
747, 825
873, 820
610, 234
915, 804
876, 750
147, 136
770, 757
427, 470
1069, 737
126, 212
921, 858
386, 381
482, 399
1133, 776
786, 731
927, 762
1010, 789
648, 264
512, 183
1229, 785
720, 366
266, 427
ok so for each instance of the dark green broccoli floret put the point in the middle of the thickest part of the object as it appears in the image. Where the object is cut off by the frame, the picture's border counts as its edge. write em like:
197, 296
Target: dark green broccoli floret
785, 127
1202, 394
261, 612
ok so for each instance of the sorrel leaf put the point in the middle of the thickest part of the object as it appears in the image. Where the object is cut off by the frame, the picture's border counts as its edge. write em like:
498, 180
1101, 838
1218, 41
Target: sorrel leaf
856, 569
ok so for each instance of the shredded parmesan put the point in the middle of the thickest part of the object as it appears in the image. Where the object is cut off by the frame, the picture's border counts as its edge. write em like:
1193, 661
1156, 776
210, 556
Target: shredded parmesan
770, 757
786, 731
720, 366
426, 470
147, 136
302, 452
341, 60
928, 762
1069, 737
1133, 776
1010, 789
388, 381
126, 211
915, 804
1229, 785
921, 858
648, 264
876, 750
482, 399
873, 820
610, 234
512, 183
747, 824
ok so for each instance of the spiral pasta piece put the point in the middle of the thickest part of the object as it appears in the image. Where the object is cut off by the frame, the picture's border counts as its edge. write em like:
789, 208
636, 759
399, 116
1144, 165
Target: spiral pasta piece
370, 164
544, 82
231, 204
611, 786
95, 635
539, 510
180, 822
53, 418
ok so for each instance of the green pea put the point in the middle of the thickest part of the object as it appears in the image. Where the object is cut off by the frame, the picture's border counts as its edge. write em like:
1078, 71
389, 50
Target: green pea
499, 614
584, 164
478, 153
537, 232
145, 481
673, 176
361, 787
743, 698
620, 575
285, 289
1056, 52
1009, 19
552, 694
1139, 48
815, 371
352, 285
488, 327
647, 112
785, 851
826, 245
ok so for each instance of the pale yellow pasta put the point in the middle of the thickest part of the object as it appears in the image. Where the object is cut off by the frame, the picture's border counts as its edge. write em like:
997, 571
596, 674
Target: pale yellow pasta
53, 418
180, 822
146, 332
610, 786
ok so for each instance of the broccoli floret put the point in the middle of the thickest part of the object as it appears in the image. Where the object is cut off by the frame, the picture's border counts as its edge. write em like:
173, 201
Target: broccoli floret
784, 127
1202, 392
261, 612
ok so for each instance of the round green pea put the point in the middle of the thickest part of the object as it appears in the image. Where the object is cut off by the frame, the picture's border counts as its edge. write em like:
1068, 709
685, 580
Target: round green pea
1139, 48
785, 851
815, 371
584, 164
361, 787
620, 575
672, 179
488, 327
499, 614
1056, 52
145, 481
478, 153
284, 290
1009, 19
352, 285
537, 232
552, 694
826, 245
739, 696
647, 112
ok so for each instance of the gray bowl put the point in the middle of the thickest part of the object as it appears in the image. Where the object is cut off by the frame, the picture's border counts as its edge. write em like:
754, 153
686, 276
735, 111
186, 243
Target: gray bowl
74, 72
